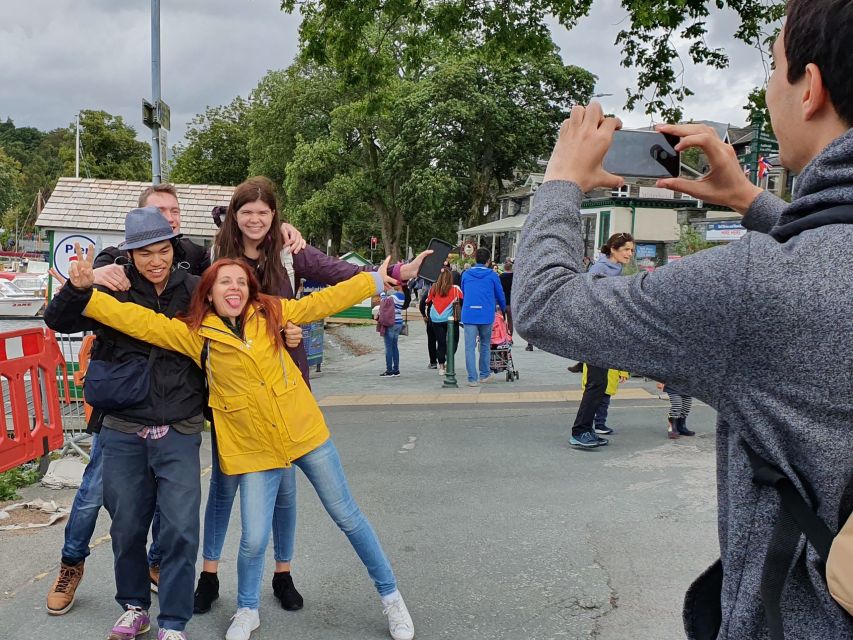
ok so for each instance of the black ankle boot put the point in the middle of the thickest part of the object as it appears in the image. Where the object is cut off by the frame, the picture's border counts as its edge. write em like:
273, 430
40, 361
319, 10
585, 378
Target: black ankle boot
681, 425
282, 587
206, 592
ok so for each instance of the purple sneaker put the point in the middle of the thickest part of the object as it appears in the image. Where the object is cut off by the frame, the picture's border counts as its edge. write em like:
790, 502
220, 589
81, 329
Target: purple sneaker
170, 634
132, 623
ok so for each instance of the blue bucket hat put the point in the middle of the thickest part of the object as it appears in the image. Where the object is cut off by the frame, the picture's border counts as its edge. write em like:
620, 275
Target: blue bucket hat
145, 226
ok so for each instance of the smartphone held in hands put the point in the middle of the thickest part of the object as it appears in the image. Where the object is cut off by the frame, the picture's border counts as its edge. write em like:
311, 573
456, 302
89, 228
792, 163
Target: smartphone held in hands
643, 154
432, 264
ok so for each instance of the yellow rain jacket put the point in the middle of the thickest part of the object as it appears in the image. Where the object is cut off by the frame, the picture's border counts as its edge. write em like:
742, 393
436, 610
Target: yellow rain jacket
264, 413
613, 376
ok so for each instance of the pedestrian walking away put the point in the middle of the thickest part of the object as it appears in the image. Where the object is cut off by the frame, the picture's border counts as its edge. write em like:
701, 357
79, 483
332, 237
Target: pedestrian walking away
751, 328
442, 296
599, 383
506, 284
432, 345
482, 291
228, 312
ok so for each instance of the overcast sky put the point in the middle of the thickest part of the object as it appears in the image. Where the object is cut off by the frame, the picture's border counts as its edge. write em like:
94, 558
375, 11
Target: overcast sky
59, 56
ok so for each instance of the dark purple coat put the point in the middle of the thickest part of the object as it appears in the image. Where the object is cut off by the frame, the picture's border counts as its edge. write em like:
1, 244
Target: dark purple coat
313, 264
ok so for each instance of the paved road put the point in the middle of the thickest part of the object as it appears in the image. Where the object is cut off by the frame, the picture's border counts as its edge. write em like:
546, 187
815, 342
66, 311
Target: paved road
496, 529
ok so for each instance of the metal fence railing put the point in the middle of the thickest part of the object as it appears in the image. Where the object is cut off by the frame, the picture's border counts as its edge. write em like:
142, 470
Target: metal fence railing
72, 409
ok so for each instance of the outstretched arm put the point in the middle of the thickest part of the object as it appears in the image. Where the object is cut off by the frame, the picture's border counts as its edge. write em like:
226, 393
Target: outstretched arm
332, 300
131, 319
144, 324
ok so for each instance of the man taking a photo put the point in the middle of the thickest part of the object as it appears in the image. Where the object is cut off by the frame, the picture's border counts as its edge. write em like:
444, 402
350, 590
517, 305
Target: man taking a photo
759, 329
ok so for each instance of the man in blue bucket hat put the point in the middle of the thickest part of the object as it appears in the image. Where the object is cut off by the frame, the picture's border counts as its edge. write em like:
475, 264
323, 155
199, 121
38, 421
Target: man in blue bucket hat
150, 448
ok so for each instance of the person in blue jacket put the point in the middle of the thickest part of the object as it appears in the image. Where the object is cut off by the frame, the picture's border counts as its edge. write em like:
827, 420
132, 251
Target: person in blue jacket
482, 291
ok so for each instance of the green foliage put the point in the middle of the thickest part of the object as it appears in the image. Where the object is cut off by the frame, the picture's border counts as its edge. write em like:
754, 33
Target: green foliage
419, 153
11, 182
110, 149
217, 148
690, 241
37, 153
14, 479
756, 107
339, 34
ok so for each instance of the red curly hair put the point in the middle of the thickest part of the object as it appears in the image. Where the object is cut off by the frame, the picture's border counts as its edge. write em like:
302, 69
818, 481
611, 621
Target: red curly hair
201, 307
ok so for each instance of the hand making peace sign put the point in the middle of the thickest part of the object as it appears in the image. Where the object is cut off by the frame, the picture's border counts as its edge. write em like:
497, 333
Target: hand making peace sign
80, 271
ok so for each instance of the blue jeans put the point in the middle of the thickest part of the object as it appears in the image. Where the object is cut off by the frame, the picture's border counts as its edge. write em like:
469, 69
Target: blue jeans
323, 469
601, 413
392, 350
257, 501
85, 509
138, 475
220, 500
472, 332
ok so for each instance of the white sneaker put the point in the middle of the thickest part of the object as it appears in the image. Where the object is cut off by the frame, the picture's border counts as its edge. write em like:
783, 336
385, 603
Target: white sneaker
399, 621
488, 379
243, 623
441, 370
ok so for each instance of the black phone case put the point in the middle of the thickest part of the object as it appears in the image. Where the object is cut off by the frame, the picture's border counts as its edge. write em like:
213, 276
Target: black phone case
431, 266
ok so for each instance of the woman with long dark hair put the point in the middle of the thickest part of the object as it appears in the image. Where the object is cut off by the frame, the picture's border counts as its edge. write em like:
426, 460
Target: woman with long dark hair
265, 415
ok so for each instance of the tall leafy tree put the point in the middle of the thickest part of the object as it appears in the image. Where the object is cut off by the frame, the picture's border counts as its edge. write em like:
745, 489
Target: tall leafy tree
11, 181
338, 33
216, 151
110, 149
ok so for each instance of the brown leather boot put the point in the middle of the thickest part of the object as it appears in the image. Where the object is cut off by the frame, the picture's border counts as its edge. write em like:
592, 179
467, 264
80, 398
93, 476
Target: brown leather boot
154, 574
61, 594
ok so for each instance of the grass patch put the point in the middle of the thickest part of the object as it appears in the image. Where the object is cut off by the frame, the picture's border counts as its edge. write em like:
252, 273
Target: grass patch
14, 479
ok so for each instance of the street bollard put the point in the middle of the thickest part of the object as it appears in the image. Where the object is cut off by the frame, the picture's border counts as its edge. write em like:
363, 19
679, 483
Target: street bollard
450, 371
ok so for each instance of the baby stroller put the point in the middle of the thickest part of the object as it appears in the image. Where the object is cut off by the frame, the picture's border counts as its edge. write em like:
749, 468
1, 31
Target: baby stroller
500, 355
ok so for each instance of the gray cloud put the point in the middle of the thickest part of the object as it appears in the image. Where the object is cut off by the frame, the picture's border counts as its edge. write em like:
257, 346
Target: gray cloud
63, 55
720, 94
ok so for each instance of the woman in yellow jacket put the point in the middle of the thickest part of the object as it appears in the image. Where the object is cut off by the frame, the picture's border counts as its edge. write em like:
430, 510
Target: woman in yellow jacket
266, 417
614, 379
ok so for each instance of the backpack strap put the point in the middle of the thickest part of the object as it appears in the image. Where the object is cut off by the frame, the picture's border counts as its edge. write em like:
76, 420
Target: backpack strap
797, 518
287, 263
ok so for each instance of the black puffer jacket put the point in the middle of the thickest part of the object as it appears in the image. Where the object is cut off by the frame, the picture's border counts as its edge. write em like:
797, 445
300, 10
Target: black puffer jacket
177, 385
187, 254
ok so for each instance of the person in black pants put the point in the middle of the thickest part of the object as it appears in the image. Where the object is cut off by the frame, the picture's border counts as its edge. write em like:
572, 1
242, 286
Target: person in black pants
583, 434
432, 342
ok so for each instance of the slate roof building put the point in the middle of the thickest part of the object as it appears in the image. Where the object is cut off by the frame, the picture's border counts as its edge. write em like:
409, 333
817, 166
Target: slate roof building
91, 211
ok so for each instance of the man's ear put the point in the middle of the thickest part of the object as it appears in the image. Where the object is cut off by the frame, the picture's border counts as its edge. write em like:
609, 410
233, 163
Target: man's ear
815, 96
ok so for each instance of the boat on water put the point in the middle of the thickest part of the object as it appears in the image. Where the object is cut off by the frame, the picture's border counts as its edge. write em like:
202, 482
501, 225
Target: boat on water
34, 284
14, 302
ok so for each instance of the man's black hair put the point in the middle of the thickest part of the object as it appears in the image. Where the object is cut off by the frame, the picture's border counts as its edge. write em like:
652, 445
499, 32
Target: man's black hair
482, 256
820, 32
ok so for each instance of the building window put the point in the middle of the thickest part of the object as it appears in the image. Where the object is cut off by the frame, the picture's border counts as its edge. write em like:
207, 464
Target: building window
773, 184
622, 192
603, 228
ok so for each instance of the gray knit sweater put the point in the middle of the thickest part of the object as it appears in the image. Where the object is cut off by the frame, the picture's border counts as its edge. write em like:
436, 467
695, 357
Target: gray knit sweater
762, 330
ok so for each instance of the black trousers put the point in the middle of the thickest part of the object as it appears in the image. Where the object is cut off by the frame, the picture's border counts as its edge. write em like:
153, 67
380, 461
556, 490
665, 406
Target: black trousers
593, 394
432, 344
440, 329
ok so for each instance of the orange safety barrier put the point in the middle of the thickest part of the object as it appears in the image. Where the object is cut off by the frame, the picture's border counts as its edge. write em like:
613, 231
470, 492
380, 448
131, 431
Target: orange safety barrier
82, 365
30, 423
